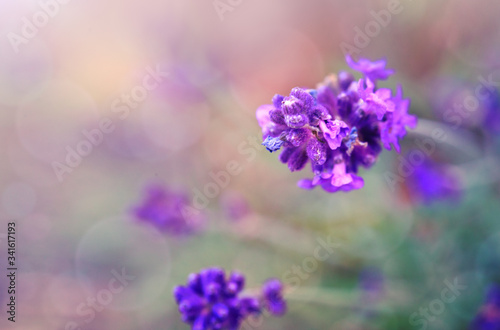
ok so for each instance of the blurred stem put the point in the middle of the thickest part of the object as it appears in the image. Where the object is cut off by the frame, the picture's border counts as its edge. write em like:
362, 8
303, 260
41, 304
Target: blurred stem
333, 297
277, 235
458, 138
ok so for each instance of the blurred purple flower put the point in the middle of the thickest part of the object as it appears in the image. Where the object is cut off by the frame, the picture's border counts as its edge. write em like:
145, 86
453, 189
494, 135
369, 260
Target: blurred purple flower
432, 181
337, 127
169, 211
488, 317
272, 292
209, 300
492, 113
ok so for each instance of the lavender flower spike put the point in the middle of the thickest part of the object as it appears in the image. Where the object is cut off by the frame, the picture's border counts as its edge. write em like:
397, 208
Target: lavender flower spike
169, 211
337, 127
210, 300
273, 297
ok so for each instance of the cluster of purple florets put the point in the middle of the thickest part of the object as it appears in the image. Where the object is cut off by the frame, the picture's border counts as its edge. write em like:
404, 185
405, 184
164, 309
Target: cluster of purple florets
209, 300
339, 126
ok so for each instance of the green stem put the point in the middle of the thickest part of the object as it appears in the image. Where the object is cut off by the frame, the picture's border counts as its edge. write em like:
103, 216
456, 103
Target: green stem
458, 138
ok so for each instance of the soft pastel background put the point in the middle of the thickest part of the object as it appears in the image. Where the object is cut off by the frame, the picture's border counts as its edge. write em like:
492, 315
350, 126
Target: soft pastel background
72, 234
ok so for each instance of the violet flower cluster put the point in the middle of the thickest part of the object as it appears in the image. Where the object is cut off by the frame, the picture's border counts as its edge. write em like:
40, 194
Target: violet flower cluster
488, 317
337, 127
210, 300
168, 211
492, 115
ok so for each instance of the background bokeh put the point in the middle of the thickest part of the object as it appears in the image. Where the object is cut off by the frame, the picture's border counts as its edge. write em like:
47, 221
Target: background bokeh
67, 77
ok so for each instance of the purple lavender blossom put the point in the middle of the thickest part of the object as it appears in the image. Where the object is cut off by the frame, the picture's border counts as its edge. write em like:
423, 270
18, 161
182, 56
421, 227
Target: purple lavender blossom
337, 127
272, 292
488, 317
432, 181
492, 113
169, 211
210, 300
371, 70
394, 126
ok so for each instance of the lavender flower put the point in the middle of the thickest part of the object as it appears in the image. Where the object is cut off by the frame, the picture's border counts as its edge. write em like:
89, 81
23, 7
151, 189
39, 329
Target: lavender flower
272, 292
337, 127
432, 181
168, 211
488, 317
371, 70
492, 113
209, 300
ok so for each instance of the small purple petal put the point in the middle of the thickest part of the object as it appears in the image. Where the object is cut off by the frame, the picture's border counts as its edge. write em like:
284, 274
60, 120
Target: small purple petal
297, 160
286, 153
299, 136
277, 116
372, 70
334, 132
345, 79
277, 99
306, 184
316, 151
306, 98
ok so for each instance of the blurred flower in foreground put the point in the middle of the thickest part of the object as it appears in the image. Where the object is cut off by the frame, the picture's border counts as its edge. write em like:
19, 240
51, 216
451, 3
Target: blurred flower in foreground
169, 211
492, 113
211, 301
337, 127
432, 181
273, 301
488, 317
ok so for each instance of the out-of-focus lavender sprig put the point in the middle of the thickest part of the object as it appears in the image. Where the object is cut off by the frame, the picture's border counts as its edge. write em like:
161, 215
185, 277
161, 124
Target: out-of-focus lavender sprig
492, 113
337, 127
210, 300
432, 181
168, 211
488, 317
